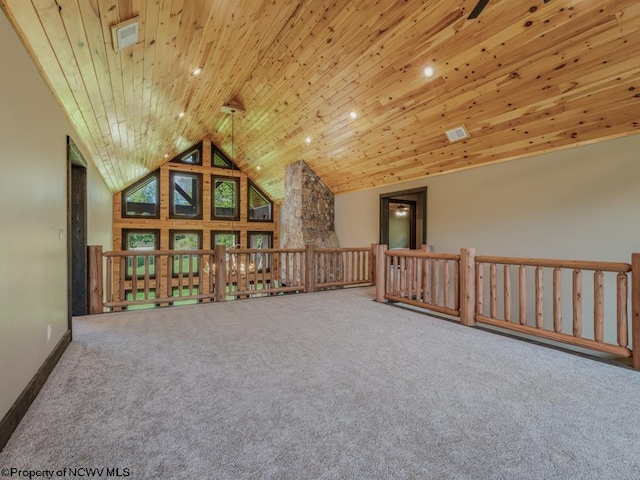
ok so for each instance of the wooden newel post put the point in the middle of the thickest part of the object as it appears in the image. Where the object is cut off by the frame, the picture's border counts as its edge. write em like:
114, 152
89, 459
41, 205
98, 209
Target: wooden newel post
635, 309
96, 288
309, 269
220, 279
381, 272
468, 286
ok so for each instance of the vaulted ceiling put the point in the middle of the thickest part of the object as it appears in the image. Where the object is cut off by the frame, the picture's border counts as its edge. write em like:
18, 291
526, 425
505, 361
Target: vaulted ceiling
524, 77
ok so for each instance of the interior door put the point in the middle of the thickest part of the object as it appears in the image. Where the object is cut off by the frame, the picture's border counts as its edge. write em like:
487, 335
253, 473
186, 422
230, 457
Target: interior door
78, 288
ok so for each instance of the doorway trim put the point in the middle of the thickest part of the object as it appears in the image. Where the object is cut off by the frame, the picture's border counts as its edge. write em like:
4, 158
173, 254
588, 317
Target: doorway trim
77, 279
387, 198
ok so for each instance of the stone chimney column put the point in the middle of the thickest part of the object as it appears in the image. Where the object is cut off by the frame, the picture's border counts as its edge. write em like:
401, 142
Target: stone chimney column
308, 212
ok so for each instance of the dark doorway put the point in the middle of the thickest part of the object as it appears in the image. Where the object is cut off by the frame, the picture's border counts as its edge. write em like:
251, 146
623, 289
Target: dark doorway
77, 228
403, 218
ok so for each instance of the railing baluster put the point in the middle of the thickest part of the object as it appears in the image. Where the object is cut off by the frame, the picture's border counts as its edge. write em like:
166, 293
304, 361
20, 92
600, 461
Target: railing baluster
557, 300
146, 277
456, 285
388, 286
180, 274
539, 298
169, 268
623, 324
134, 278
426, 281
403, 276
598, 306
522, 294
445, 280
419, 292
190, 274
123, 277
577, 303
110, 281
479, 289
493, 291
436, 282
507, 293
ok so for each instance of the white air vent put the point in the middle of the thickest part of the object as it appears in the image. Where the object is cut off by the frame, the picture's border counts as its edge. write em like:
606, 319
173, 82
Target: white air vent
125, 34
459, 133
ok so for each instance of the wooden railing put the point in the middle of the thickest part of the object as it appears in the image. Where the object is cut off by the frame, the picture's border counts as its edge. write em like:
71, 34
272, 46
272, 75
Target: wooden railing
258, 272
423, 279
168, 277
554, 328
459, 285
159, 277
341, 267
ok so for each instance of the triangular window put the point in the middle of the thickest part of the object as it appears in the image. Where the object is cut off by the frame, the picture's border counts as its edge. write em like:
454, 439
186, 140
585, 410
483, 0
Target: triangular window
220, 160
260, 207
142, 198
193, 156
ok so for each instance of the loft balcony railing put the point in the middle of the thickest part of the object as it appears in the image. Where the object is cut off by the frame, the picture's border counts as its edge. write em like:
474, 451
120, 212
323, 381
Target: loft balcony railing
169, 277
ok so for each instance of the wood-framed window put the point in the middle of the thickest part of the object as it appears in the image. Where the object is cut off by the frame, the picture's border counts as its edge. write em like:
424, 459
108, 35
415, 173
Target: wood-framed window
193, 156
140, 240
185, 240
261, 240
185, 195
225, 198
225, 237
259, 206
220, 160
142, 199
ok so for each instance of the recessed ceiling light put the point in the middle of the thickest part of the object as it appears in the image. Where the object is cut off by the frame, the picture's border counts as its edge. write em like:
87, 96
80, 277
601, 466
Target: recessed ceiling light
429, 71
181, 114
354, 114
196, 71
258, 167
308, 139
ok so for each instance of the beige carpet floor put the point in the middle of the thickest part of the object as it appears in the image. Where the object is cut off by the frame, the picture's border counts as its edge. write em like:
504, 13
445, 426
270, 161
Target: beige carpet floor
328, 385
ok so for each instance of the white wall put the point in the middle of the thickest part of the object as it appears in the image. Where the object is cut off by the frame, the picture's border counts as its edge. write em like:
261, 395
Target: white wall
580, 203
99, 209
33, 257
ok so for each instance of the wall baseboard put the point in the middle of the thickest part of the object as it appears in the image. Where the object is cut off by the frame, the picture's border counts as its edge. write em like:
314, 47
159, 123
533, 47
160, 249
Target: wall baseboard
19, 408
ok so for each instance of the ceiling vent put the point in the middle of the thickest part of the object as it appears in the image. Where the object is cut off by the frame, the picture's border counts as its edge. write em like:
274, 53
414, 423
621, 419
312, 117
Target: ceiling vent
458, 133
125, 34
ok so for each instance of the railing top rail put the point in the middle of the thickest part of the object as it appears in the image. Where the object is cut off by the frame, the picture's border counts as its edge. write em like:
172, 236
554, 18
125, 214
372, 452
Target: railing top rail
265, 250
142, 253
342, 249
422, 254
545, 262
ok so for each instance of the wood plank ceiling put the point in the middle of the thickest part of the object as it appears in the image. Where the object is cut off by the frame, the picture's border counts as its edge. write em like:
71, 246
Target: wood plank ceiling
524, 77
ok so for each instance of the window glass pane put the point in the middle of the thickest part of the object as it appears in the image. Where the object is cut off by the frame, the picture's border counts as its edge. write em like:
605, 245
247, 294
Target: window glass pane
190, 157
225, 198
140, 241
260, 207
220, 160
229, 239
262, 241
142, 200
186, 195
185, 241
